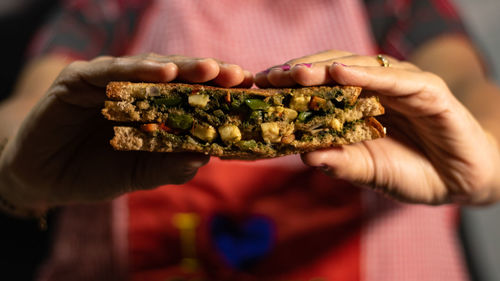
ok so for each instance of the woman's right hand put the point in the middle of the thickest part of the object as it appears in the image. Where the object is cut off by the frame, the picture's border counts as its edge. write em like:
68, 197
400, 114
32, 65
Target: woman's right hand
61, 154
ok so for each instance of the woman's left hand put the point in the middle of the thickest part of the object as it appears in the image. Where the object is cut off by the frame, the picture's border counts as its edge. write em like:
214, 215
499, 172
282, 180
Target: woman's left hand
435, 151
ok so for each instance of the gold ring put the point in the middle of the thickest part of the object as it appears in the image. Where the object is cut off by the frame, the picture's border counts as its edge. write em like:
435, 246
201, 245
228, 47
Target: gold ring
384, 62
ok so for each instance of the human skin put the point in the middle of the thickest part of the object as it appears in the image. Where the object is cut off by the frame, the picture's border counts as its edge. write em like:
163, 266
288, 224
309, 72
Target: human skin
436, 151
61, 154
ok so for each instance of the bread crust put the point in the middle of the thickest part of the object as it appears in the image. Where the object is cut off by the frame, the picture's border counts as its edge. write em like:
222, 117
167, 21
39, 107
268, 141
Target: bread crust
128, 91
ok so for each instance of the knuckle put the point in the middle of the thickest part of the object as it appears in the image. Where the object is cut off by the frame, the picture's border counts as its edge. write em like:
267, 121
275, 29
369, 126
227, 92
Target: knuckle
114, 64
101, 58
433, 79
428, 81
391, 58
78, 64
74, 67
212, 60
141, 56
407, 65
151, 56
425, 98
176, 57
116, 61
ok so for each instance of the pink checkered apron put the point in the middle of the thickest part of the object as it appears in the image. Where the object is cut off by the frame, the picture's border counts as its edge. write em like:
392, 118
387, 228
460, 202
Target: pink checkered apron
391, 241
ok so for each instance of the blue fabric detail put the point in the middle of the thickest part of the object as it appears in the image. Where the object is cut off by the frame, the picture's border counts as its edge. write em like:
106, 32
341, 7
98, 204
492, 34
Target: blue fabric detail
243, 243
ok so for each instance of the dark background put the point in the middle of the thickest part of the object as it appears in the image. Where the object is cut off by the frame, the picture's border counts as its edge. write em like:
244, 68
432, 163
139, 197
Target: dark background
18, 21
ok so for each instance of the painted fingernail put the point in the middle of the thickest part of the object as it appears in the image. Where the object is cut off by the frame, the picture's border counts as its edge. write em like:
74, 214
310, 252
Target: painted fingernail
338, 63
285, 67
306, 64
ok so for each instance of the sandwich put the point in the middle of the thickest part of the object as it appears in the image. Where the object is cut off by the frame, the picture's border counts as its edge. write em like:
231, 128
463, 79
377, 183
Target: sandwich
238, 123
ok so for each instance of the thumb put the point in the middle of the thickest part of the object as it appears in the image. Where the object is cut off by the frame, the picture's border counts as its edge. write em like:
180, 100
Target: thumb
353, 162
155, 169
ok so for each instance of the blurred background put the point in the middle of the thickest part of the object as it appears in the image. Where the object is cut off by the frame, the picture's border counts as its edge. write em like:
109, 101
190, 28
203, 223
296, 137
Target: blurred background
482, 18
18, 22
480, 227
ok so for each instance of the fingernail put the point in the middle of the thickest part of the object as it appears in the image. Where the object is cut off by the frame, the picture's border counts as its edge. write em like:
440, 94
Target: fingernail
305, 64
285, 67
228, 65
323, 168
206, 60
194, 165
338, 63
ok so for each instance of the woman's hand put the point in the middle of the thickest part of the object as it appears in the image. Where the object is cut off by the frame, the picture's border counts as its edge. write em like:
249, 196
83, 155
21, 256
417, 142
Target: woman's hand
435, 151
62, 154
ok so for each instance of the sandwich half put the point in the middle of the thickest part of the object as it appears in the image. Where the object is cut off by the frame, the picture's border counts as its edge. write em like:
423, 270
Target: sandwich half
239, 123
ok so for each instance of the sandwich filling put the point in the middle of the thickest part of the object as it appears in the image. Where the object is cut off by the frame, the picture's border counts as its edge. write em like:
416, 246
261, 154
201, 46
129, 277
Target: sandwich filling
222, 120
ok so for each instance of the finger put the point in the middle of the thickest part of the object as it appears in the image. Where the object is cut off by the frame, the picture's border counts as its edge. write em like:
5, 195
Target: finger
276, 76
220, 73
155, 169
280, 77
198, 70
321, 56
348, 162
317, 73
409, 92
146, 68
81, 82
311, 74
248, 80
305, 74
229, 75
261, 80
101, 71
372, 61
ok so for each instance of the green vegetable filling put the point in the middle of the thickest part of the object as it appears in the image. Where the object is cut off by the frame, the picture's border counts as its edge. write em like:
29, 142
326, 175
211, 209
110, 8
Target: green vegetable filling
256, 116
256, 104
180, 121
247, 144
303, 116
224, 107
169, 101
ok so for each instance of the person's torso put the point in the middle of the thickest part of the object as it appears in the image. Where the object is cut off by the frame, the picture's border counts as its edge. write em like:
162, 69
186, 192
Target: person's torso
281, 209
272, 219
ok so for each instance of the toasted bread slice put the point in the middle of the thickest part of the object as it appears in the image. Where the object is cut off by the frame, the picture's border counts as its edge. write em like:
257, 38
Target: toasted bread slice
130, 138
128, 91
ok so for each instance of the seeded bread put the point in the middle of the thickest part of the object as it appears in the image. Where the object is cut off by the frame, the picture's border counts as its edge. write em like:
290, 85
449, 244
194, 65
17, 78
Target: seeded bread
128, 91
130, 138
